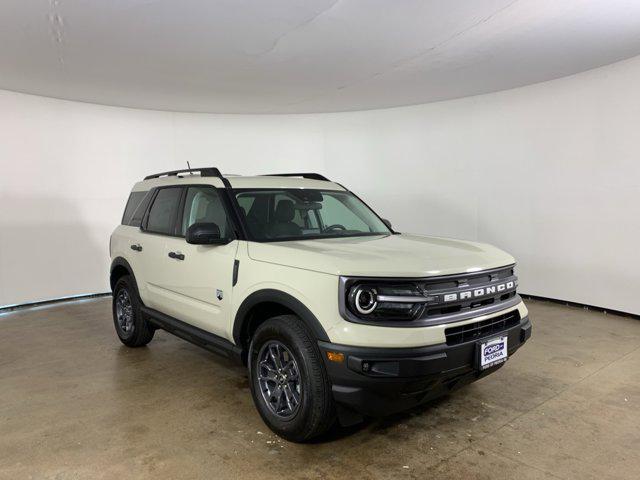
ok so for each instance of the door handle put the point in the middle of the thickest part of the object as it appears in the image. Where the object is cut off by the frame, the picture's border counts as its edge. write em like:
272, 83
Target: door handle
137, 247
176, 255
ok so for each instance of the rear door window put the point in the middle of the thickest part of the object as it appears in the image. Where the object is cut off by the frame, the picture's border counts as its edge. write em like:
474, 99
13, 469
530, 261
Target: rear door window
164, 211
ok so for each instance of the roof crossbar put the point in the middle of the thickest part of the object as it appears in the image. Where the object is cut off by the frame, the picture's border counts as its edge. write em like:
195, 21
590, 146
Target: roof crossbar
204, 172
312, 176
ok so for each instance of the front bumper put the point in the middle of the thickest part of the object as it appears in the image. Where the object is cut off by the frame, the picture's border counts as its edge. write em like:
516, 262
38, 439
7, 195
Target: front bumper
381, 381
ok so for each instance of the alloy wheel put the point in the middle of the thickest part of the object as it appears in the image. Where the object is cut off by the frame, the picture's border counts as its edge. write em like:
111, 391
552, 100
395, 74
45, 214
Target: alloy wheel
124, 312
279, 379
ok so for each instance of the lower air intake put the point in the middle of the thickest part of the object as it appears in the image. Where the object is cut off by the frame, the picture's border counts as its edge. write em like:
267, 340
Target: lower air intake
482, 329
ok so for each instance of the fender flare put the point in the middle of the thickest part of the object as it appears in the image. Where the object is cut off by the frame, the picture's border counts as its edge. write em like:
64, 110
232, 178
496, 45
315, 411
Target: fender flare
284, 299
122, 262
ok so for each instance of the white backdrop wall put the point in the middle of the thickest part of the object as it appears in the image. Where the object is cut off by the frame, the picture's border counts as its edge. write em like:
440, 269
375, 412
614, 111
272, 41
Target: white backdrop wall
549, 172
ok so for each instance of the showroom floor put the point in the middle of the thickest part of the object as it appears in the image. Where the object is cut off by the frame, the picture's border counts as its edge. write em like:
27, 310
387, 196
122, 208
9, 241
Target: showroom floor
75, 403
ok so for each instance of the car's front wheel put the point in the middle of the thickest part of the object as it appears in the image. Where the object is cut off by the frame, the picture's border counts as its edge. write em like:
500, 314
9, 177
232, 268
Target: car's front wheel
289, 383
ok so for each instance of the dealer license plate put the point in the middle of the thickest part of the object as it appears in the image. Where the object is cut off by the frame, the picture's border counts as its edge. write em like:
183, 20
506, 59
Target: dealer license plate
492, 352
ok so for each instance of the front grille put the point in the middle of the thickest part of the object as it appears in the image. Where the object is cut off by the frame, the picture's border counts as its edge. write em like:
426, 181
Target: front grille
485, 328
485, 283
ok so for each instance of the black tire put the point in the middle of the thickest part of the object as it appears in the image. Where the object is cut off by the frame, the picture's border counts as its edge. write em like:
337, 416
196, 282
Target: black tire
315, 412
137, 332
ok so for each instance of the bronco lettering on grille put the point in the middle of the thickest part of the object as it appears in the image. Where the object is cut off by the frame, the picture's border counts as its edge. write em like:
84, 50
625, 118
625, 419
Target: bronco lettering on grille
479, 292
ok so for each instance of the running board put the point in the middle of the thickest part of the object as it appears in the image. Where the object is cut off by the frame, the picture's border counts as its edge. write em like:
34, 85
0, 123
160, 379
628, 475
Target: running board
195, 335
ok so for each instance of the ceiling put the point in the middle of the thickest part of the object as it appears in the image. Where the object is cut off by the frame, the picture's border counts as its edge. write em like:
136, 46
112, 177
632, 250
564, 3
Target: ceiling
281, 56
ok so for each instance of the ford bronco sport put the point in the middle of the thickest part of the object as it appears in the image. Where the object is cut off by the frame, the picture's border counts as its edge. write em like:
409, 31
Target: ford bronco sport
336, 315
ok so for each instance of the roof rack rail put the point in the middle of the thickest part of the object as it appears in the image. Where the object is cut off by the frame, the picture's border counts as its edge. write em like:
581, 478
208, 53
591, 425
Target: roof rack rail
313, 176
204, 172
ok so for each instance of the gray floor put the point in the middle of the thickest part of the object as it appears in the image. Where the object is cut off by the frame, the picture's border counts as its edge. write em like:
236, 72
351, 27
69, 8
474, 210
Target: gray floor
74, 403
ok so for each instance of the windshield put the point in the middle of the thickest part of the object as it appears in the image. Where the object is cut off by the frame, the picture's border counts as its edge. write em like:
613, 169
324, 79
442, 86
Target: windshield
298, 214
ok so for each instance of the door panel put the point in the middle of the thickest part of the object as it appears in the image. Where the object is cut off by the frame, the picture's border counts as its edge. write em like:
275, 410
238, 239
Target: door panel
189, 289
151, 266
157, 227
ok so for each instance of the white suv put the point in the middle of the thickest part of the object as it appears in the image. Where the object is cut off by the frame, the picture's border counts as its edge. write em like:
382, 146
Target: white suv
335, 314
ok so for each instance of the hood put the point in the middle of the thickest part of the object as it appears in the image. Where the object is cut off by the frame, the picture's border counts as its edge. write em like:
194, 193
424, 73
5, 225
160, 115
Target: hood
401, 255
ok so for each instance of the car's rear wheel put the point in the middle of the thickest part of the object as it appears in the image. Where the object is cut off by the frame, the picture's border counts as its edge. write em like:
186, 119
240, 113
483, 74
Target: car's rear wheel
289, 383
132, 328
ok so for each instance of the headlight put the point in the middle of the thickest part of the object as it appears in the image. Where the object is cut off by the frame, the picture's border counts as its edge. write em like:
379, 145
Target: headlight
385, 301
364, 299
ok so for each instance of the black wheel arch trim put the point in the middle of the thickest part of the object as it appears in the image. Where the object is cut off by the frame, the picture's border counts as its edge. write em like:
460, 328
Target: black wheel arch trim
269, 295
122, 262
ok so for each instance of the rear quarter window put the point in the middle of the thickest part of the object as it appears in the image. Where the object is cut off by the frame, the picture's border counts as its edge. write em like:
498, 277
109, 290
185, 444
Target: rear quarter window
136, 206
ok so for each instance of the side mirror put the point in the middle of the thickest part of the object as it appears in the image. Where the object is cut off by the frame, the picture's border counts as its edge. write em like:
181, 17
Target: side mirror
387, 223
205, 234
